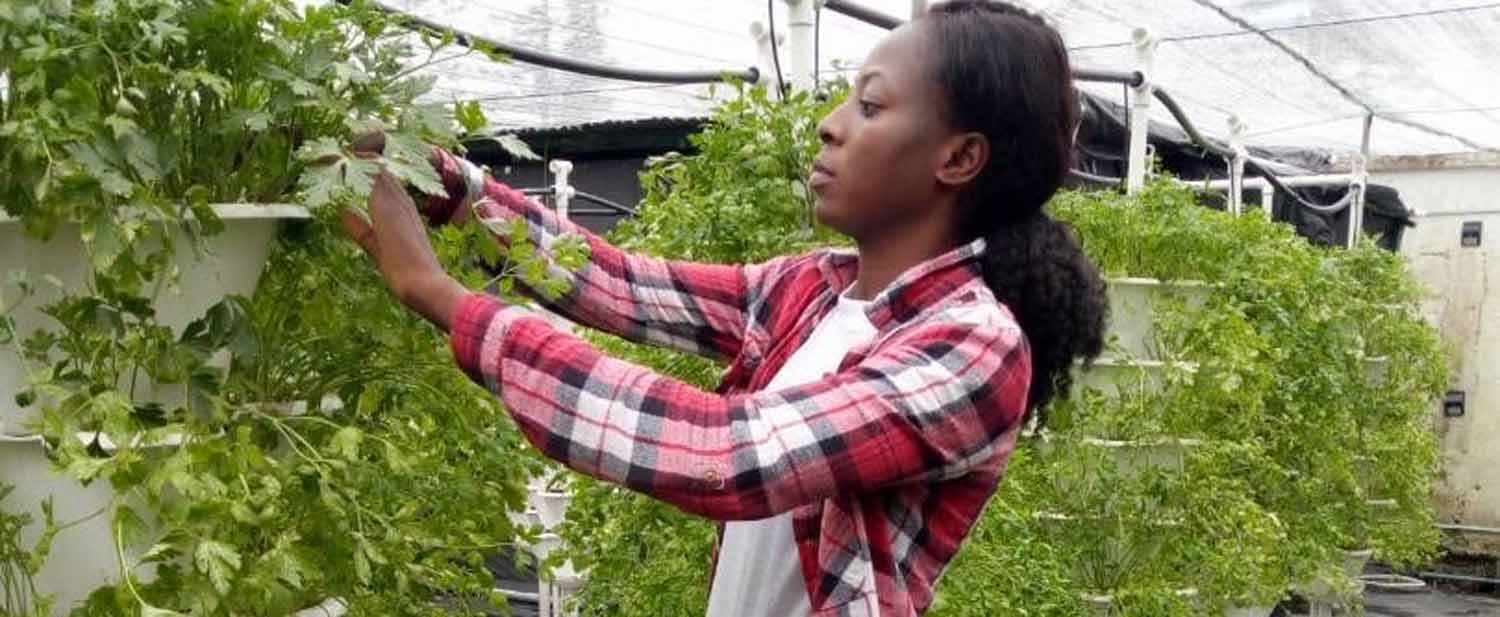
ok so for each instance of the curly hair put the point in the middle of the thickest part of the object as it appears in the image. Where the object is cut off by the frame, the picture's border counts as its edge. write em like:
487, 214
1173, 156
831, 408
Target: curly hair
1006, 75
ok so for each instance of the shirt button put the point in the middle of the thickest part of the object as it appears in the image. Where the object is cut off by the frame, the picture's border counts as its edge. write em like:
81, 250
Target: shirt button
713, 478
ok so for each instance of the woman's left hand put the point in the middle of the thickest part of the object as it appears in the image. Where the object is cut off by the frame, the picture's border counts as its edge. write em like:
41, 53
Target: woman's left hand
396, 238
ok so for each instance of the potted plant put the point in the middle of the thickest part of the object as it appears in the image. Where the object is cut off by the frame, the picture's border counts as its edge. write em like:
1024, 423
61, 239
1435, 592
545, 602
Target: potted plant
148, 137
1135, 303
18, 563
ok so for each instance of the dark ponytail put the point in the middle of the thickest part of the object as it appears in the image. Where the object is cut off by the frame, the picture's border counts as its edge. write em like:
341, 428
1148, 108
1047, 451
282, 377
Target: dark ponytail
1007, 76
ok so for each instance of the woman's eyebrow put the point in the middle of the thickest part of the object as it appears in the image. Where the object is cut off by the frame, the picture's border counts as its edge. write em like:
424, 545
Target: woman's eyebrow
865, 78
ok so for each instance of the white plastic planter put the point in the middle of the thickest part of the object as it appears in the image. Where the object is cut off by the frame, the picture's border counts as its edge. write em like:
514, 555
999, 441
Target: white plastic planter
332, 607
545, 504
83, 556
231, 264
551, 507
1133, 305
1132, 457
1116, 377
1375, 369
1104, 605
1328, 592
1355, 561
1249, 611
553, 592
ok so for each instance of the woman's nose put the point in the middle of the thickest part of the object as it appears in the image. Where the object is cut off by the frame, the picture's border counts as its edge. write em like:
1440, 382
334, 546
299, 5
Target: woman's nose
826, 131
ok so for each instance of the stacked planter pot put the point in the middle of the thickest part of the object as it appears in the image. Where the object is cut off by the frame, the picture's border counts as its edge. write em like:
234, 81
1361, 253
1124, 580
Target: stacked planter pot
1140, 365
83, 556
547, 506
1135, 365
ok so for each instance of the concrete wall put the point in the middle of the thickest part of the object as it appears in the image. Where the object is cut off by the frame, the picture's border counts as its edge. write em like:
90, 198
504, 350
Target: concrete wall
1464, 303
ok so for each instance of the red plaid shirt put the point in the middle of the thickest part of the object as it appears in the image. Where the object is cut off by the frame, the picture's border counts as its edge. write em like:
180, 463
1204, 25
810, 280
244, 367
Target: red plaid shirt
885, 465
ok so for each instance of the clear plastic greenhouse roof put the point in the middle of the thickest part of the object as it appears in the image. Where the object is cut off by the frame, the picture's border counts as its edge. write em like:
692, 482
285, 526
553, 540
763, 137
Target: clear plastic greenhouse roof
1298, 72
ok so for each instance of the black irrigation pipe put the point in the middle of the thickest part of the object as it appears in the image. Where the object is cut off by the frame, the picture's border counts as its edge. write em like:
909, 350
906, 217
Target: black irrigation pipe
540, 58
1083, 175
1251, 164
891, 22
611, 207
865, 14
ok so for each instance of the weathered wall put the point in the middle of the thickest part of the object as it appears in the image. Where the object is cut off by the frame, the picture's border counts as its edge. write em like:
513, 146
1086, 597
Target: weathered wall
1464, 303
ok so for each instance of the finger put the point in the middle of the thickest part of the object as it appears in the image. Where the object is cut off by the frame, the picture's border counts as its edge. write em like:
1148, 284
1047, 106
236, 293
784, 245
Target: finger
358, 228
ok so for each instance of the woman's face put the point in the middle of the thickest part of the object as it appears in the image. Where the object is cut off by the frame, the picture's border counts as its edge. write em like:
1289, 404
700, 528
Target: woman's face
882, 148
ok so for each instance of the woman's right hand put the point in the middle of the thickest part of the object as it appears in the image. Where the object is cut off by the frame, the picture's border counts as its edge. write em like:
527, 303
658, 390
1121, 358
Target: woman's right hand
436, 209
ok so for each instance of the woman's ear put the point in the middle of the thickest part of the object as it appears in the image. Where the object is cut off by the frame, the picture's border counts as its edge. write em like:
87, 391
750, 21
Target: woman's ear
964, 157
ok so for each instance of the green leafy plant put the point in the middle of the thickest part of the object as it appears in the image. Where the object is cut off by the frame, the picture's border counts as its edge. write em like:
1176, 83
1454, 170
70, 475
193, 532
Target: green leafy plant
1281, 347
340, 455
742, 197
1274, 390
18, 593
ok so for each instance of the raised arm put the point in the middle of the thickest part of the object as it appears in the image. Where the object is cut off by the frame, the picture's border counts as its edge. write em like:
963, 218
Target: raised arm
695, 307
944, 401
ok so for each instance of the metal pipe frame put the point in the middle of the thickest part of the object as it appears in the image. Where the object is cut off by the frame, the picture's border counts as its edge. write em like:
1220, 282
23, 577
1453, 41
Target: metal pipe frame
1290, 181
610, 207
865, 14
1252, 165
891, 22
541, 58
1469, 529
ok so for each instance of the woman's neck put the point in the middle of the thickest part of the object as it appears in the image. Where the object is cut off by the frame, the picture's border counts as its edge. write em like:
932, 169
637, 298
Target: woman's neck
883, 259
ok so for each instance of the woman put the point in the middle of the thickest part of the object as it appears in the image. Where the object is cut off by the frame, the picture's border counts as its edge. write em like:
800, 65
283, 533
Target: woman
873, 397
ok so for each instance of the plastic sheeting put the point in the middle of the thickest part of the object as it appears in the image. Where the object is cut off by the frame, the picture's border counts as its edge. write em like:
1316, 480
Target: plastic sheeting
1297, 72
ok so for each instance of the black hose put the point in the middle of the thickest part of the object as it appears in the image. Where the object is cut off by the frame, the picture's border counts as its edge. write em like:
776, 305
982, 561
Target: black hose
775, 55
1130, 78
869, 16
1083, 175
817, 44
540, 58
890, 22
1251, 164
613, 207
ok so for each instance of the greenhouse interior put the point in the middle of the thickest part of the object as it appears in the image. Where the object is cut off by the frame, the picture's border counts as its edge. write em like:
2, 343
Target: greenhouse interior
672, 308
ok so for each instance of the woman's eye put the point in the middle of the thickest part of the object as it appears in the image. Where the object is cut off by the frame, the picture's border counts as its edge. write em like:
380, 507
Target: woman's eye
867, 109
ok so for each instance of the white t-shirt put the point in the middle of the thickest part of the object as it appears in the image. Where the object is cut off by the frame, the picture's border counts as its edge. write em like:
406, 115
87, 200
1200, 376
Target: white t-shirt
759, 572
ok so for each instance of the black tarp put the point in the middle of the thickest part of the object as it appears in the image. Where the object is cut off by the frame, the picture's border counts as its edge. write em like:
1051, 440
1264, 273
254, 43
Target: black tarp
1104, 133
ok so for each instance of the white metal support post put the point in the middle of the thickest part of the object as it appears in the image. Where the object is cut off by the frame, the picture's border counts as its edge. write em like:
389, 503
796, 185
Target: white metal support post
1236, 192
1361, 181
800, 29
1140, 112
766, 63
562, 192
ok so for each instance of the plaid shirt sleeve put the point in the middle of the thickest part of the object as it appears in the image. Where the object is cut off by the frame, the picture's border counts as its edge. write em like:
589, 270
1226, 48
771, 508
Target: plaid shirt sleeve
694, 307
932, 405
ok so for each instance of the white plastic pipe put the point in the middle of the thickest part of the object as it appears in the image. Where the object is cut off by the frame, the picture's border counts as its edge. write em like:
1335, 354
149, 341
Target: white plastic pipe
799, 56
1357, 208
766, 64
332, 607
1289, 181
563, 192
1237, 165
1362, 182
1140, 112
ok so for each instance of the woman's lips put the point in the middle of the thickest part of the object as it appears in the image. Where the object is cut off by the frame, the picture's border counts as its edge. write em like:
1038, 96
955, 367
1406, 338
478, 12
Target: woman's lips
821, 175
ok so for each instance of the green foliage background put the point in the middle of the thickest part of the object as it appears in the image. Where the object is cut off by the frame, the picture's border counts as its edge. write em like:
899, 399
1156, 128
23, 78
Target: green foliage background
128, 118
1296, 439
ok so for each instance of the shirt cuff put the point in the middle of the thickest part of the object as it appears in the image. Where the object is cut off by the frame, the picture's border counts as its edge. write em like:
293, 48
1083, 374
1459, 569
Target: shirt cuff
468, 329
